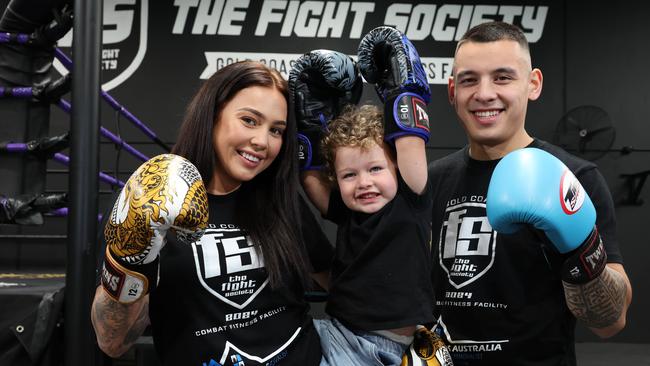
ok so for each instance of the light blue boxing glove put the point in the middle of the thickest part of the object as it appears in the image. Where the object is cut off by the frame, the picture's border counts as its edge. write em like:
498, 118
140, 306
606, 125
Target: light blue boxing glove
531, 186
389, 60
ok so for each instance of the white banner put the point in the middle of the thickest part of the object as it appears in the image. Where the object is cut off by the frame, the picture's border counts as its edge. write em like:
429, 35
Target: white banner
438, 69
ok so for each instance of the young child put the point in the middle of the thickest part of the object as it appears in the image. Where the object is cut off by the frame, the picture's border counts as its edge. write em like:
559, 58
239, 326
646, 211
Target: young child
378, 196
375, 190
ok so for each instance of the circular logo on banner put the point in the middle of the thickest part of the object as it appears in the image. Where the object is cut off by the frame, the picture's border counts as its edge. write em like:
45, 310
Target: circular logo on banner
572, 195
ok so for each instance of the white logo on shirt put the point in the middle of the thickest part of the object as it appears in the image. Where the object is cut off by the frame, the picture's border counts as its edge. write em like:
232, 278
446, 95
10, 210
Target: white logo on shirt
467, 243
229, 266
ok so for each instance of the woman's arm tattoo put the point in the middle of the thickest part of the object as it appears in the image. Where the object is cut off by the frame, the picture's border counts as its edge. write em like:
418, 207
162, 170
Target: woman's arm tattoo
118, 325
600, 302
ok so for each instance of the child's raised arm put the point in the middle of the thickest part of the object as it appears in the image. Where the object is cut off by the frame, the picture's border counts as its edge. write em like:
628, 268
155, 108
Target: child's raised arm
389, 60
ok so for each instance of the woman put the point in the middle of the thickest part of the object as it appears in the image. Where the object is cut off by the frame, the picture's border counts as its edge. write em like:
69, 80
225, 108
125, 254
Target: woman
235, 297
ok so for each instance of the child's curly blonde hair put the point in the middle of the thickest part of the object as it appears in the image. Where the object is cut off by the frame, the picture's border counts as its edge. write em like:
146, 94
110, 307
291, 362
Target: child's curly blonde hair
355, 127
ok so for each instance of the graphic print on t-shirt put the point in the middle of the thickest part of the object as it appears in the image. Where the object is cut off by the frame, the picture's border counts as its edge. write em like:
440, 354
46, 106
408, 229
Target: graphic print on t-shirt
234, 356
467, 242
225, 259
467, 349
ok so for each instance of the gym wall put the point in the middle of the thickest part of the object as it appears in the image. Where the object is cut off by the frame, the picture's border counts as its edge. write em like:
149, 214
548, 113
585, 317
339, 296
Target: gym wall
156, 54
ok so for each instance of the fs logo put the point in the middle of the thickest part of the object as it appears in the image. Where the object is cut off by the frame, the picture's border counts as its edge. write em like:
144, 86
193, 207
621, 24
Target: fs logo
124, 38
467, 242
229, 266
572, 195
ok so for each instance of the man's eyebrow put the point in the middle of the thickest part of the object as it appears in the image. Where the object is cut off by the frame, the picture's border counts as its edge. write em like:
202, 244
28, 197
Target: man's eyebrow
465, 73
507, 70
500, 70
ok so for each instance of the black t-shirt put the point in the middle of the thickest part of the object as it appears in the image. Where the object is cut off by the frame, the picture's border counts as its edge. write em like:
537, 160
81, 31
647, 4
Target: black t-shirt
214, 304
499, 298
379, 274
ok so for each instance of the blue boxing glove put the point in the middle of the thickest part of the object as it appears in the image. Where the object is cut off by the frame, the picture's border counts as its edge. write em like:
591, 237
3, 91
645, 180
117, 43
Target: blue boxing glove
531, 186
389, 60
321, 84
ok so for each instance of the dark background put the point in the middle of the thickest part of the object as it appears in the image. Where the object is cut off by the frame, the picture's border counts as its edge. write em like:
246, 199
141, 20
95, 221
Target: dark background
589, 54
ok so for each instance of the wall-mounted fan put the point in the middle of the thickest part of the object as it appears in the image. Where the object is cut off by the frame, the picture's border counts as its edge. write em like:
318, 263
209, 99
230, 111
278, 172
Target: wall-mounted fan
585, 131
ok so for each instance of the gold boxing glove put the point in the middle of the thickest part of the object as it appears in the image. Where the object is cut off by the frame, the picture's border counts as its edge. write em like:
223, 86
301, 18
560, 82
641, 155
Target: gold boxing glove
427, 349
164, 193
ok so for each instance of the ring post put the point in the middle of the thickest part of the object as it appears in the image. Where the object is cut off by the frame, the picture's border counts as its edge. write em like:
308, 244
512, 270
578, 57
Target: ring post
80, 349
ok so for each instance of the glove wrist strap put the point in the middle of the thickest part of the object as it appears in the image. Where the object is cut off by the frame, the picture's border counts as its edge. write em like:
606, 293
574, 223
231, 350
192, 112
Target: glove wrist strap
309, 155
127, 283
406, 115
586, 262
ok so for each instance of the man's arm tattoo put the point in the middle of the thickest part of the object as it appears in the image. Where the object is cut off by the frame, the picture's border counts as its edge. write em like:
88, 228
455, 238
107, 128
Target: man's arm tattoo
600, 302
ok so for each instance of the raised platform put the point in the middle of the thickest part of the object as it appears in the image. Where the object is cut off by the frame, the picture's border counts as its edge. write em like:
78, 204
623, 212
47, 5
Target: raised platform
31, 318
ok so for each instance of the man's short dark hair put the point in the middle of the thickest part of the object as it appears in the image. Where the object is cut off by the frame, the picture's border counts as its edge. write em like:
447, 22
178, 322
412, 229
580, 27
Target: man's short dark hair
494, 31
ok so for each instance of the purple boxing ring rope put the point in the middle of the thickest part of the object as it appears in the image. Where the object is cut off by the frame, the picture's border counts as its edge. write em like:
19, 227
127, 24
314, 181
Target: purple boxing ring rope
20, 38
16, 92
63, 159
63, 211
67, 62
66, 106
28, 92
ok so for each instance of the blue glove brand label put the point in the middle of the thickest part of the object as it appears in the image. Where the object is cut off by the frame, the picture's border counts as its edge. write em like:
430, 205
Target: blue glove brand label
411, 113
572, 195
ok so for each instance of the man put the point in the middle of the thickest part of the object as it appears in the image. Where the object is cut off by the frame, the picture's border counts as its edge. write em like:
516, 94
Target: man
508, 298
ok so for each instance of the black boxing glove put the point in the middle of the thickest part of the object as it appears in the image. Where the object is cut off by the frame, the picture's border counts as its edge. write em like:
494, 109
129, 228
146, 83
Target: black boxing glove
390, 61
321, 84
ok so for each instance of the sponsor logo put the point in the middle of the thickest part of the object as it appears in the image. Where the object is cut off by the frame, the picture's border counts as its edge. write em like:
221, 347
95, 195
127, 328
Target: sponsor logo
592, 259
236, 360
467, 242
596, 257
421, 115
572, 195
124, 37
411, 112
113, 281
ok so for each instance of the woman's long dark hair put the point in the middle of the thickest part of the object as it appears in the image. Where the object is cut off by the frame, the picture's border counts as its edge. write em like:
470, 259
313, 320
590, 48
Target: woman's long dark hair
267, 206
